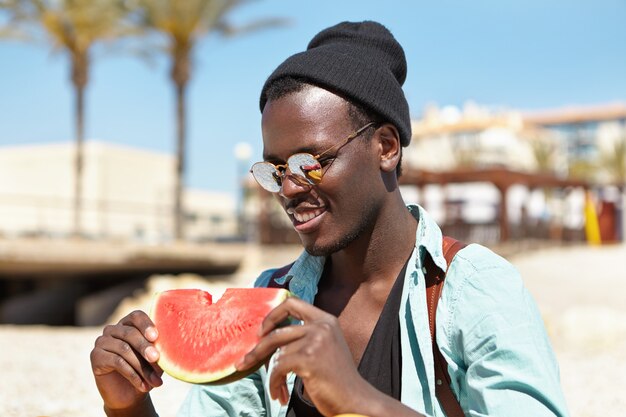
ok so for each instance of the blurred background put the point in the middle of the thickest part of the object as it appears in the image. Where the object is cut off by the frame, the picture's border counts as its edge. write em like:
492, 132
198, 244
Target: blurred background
127, 128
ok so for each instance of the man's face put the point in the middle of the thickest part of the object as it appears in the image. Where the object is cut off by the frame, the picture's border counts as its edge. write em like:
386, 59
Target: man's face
344, 206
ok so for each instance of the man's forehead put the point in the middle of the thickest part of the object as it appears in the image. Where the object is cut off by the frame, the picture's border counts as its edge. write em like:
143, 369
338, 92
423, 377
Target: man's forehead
319, 99
310, 102
306, 121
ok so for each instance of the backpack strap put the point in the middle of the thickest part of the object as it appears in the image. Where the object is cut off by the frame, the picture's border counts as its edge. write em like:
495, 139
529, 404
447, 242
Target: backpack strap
435, 278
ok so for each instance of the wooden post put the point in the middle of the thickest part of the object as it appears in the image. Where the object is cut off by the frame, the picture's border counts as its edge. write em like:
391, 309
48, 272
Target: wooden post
503, 214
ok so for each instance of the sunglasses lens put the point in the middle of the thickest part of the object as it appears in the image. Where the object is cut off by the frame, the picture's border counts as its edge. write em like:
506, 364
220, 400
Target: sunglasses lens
305, 166
267, 176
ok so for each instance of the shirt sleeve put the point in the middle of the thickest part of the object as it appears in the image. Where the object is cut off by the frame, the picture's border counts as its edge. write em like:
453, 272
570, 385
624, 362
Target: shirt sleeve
243, 398
507, 362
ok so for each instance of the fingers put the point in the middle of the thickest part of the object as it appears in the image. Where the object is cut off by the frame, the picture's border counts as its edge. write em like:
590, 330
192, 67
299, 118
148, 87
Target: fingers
126, 348
303, 355
285, 360
274, 336
142, 322
135, 338
268, 345
118, 356
292, 307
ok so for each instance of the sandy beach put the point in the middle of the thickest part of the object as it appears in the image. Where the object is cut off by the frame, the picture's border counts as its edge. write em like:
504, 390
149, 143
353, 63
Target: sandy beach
579, 290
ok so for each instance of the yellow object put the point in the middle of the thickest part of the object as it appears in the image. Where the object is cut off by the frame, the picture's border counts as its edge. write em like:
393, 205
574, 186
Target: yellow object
350, 415
592, 226
316, 175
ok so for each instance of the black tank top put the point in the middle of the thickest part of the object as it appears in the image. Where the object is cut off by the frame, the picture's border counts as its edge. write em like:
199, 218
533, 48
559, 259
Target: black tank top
381, 363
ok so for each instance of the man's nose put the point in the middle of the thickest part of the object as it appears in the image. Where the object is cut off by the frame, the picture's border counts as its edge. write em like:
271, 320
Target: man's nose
292, 185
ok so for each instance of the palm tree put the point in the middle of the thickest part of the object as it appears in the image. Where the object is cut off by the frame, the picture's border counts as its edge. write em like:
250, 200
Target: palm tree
466, 151
583, 169
614, 161
543, 148
72, 27
183, 24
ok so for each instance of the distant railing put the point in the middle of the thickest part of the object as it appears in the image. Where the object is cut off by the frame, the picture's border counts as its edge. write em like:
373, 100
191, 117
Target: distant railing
489, 233
50, 215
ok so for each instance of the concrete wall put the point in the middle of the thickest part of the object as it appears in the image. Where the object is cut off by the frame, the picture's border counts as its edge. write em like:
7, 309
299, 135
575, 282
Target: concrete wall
127, 193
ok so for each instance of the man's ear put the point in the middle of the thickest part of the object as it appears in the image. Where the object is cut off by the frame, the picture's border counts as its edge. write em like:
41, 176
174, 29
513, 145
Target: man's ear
390, 148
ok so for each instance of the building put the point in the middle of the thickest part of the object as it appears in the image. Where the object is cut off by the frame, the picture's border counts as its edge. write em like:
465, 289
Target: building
567, 150
552, 140
127, 194
589, 137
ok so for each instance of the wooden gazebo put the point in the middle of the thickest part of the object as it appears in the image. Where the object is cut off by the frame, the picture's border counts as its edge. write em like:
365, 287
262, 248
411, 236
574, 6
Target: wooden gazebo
501, 178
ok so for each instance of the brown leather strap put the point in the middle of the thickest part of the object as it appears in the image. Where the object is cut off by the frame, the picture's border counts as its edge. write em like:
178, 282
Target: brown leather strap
435, 278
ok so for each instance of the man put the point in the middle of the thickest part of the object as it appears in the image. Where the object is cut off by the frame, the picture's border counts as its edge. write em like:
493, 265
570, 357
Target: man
334, 123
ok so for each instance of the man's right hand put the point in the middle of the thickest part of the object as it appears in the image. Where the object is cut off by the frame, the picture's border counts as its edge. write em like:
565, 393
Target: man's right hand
123, 361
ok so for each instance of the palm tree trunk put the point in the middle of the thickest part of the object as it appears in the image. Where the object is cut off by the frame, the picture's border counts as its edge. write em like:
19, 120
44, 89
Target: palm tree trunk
78, 158
179, 232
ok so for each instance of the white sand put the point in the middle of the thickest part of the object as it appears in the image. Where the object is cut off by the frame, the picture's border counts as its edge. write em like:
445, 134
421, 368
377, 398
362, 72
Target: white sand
580, 291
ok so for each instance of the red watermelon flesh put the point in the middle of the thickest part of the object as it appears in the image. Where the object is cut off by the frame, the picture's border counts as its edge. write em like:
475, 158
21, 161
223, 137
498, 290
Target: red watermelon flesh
201, 342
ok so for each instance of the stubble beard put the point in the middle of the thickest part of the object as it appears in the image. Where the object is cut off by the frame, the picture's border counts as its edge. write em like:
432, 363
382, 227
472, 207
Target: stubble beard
367, 217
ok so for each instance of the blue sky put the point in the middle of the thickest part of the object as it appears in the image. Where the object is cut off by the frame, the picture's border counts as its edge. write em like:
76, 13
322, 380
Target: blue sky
517, 54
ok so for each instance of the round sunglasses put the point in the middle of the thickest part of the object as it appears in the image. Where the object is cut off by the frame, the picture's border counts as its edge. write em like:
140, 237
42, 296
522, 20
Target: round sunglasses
305, 169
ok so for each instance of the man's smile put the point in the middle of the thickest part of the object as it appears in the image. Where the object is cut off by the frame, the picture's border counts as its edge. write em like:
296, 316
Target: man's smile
302, 215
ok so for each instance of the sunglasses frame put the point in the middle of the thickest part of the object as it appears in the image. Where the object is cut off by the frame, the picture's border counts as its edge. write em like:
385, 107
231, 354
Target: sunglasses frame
280, 171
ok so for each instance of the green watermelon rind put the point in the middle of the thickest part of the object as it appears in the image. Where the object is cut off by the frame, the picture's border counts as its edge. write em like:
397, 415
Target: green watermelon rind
223, 376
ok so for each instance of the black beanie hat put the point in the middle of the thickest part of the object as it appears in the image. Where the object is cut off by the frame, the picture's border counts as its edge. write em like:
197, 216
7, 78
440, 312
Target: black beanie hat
362, 62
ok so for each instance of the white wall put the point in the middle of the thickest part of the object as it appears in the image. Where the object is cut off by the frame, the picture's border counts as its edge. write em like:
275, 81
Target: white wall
127, 193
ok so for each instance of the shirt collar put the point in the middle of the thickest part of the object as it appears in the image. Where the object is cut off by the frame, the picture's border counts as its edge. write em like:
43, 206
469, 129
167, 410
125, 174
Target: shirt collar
304, 276
428, 237
307, 270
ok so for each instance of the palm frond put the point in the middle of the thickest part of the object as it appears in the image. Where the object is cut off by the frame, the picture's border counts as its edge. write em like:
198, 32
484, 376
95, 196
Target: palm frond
8, 32
69, 24
614, 160
228, 30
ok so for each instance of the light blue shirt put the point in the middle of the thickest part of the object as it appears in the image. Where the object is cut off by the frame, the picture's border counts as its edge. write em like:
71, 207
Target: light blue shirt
489, 331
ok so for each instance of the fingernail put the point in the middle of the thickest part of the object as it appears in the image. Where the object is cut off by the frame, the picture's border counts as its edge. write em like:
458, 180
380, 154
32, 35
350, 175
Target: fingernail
152, 354
144, 387
151, 334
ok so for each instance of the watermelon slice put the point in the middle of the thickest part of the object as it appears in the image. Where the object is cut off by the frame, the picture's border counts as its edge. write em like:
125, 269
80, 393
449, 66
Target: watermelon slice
200, 342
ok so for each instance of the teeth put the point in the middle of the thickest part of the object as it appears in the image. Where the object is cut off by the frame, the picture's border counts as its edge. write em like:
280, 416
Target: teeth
305, 217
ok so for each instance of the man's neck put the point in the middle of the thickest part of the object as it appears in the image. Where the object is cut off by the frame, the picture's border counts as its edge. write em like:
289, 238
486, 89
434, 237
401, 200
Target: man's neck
379, 254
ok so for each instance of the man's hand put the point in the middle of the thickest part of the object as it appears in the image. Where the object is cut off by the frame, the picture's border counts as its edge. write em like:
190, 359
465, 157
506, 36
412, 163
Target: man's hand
317, 352
123, 361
